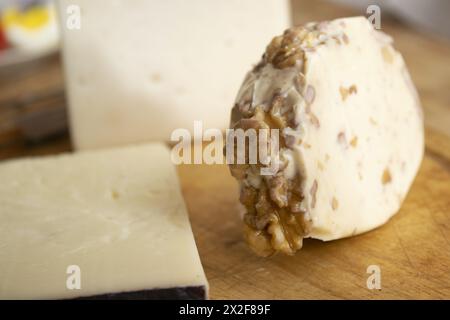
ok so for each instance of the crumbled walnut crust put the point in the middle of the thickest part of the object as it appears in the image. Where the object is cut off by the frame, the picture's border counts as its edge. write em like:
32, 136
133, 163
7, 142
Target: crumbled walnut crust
275, 219
289, 49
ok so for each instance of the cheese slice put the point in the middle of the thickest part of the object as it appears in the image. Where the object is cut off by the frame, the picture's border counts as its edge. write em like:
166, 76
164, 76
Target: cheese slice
136, 71
351, 132
112, 223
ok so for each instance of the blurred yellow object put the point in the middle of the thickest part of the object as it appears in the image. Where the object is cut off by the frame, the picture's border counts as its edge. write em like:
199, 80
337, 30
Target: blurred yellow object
32, 19
33, 30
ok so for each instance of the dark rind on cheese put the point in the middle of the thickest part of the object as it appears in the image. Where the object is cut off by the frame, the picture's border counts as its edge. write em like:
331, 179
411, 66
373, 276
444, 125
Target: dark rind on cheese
181, 293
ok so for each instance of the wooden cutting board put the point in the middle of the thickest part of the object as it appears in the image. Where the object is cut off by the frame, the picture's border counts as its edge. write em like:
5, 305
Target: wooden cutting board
412, 249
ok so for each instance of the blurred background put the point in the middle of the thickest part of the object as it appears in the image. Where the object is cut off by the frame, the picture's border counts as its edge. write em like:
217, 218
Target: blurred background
33, 116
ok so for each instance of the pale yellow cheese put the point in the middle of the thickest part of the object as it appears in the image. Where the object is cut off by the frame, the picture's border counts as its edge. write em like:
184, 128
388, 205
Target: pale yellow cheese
116, 214
357, 123
137, 70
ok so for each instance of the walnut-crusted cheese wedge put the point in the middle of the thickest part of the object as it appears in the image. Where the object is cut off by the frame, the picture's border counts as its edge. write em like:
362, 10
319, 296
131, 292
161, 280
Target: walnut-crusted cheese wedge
351, 134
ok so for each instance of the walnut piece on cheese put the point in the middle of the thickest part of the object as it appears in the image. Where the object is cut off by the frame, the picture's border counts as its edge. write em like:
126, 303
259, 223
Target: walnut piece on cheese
350, 125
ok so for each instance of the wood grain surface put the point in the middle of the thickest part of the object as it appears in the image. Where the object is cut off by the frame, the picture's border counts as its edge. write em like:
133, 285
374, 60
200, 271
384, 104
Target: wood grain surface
412, 250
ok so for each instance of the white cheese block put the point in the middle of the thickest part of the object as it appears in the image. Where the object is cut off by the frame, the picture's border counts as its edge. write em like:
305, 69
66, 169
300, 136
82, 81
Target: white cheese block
117, 215
353, 129
135, 71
